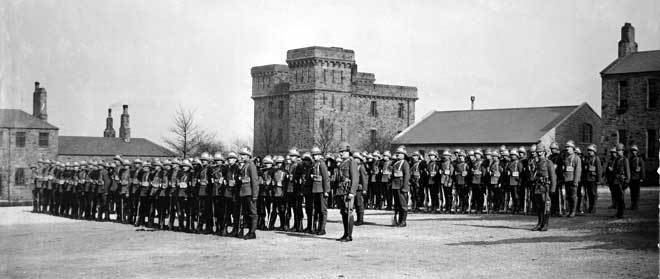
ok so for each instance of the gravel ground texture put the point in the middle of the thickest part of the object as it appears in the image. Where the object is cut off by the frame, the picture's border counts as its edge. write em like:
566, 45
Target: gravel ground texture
432, 246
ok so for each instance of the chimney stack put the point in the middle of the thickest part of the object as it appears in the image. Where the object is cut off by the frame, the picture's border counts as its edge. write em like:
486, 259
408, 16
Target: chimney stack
627, 44
109, 131
39, 102
124, 130
472, 98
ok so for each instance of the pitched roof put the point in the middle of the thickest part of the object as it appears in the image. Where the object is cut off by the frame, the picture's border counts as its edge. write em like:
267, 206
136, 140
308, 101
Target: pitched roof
511, 125
16, 118
101, 146
636, 62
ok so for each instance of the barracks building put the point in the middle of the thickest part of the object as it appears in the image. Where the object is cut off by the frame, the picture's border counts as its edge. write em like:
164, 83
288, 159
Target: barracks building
25, 138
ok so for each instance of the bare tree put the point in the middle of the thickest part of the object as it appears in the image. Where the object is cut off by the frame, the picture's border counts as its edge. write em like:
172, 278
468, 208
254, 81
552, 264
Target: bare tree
186, 135
380, 142
238, 143
208, 143
325, 137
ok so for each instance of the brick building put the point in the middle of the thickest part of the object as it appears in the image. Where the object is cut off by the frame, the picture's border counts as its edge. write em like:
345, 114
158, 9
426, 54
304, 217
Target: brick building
492, 128
24, 139
320, 98
630, 100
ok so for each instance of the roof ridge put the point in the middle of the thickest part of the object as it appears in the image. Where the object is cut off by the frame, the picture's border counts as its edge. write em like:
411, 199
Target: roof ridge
519, 108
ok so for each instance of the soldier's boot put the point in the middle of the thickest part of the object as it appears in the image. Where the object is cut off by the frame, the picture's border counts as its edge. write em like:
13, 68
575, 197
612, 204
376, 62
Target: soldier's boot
252, 229
271, 221
310, 222
544, 225
573, 204
404, 216
321, 228
344, 222
539, 223
349, 226
360, 218
284, 223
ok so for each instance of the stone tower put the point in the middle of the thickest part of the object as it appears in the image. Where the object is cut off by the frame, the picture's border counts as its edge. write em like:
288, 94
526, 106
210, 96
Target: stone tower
627, 44
109, 131
39, 102
124, 130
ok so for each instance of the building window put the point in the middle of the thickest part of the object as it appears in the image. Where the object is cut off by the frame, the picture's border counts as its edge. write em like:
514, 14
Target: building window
19, 176
372, 136
333, 101
587, 132
43, 139
20, 139
401, 110
270, 109
652, 143
341, 104
341, 134
324, 98
280, 109
622, 137
374, 109
653, 92
622, 96
279, 136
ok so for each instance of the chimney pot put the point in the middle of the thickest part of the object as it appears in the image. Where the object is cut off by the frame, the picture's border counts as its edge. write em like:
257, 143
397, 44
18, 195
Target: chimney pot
36, 85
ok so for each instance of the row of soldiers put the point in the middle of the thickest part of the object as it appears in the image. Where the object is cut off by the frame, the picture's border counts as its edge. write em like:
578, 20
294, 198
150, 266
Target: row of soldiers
208, 194
213, 192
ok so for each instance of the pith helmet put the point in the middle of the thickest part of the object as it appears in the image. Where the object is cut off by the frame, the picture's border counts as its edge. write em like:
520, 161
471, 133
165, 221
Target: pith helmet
416, 153
446, 153
554, 145
539, 148
570, 143
376, 154
268, 160
620, 146
387, 154
279, 159
232, 155
125, 162
344, 146
578, 151
357, 155
205, 156
186, 162
402, 150
532, 148
196, 161
307, 155
471, 153
294, 152
433, 153
513, 152
218, 156
167, 162
136, 162
478, 151
592, 147
246, 151
505, 152
634, 148
522, 150
316, 151
613, 150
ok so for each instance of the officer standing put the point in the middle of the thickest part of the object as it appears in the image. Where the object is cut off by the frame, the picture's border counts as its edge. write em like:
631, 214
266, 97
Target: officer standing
248, 193
361, 192
416, 171
205, 224
231, 194
320, 189
218, 174
545, 180
348, 182
400, 186
637, 175
572, 172
593, 173
291, 196
621, 174
385, 186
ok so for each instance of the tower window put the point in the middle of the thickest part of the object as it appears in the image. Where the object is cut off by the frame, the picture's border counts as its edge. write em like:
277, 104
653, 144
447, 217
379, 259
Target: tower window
333, 101
374, 109
653, 91
20, 139
622, 136
43, 139
279, 136
19, 176
280, 109
652, 143
401, 110
341, 104
372, 136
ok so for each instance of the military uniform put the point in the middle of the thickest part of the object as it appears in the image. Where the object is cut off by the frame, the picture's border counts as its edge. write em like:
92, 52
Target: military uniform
637, 176
279, 176
348, 177
592, 171
445, 171
477, 172
401, 188
248, 194
385, 186
460, 180
545, 181
572, 173
514, 174
417, 191
621, 172
362, 189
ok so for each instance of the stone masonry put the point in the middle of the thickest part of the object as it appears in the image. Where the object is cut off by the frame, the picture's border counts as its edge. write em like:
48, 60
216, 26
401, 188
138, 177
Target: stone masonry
320, 87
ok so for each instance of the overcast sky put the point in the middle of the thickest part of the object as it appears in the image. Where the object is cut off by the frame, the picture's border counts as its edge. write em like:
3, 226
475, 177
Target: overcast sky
157, 55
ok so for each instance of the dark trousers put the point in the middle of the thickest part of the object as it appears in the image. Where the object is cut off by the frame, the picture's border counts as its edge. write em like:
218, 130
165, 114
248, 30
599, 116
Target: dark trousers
359, 205
634, 193
163, 203
346, 210
512, 193
143, 210
619, 202
389, 195
246, 207
542, 205
478, 192
125, 208
278, 208
449, 197
224, 213
262, 209
104, 210
435, 199
205, 212
321, 209
571, 196
182, 212
400, 200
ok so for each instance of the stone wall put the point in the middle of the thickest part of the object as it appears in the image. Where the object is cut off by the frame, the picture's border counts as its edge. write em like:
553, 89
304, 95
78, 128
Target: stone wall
636, 118
572, 128
22, 157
